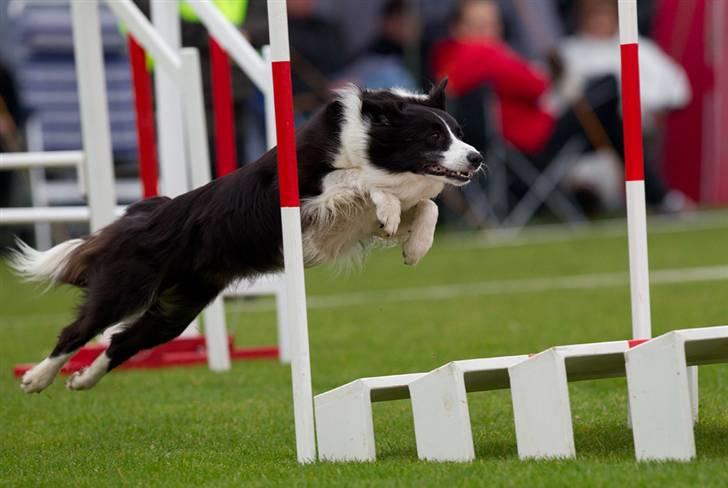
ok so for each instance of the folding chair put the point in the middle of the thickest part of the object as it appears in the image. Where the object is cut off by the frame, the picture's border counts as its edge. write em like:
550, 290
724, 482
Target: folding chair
492, 200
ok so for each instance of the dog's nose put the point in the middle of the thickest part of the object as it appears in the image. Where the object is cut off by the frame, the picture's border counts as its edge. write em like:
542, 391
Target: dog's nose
475, 159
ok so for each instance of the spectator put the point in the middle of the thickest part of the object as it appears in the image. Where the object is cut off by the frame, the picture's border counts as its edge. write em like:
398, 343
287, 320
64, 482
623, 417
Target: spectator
593, 53
316, 53
475, 55
383, 63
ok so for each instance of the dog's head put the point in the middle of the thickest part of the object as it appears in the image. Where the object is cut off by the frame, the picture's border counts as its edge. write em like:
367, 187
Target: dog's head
397, 131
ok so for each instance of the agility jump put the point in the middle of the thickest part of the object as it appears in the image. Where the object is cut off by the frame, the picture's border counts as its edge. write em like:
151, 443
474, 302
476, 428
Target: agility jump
660, 372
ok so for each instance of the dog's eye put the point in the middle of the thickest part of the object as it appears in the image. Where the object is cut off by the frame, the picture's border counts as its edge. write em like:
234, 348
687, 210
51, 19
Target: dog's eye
434, 137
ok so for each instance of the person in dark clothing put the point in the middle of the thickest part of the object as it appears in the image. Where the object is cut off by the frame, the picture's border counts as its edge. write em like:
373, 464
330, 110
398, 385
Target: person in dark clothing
13, 186
384, 63
475, 57
316, 53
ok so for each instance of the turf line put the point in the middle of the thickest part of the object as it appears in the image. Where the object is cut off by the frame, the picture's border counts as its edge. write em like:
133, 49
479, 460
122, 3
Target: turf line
481, 288
503, 287
555, 233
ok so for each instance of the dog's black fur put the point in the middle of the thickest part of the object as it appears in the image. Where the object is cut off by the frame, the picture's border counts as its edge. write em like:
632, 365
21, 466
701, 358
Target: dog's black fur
159, 265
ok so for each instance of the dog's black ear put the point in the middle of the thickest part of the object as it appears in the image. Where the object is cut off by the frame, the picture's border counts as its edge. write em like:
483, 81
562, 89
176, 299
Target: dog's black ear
382, 112
437, 98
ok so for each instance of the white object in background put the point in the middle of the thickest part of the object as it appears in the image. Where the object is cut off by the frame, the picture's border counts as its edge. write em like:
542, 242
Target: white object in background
218, 352
270, 111
639, 272
270, 284
91, 76
29, 215
661, 397
443, 430
540, 394
344, 423
216, 340
234, 43
173, 163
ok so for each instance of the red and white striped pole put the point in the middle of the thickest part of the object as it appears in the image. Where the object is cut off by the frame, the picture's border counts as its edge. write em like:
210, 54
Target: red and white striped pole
634, 171
291, 222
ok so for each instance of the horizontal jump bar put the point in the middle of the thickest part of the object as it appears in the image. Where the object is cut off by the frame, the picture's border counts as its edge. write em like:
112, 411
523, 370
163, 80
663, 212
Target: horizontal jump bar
27, 160
32, 215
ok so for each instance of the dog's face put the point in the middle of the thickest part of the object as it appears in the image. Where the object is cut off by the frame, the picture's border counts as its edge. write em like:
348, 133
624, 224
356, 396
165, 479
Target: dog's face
414, 133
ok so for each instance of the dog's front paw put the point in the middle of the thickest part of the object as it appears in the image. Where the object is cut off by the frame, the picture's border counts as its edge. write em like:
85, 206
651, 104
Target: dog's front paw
416, 246
389, 212
388, 222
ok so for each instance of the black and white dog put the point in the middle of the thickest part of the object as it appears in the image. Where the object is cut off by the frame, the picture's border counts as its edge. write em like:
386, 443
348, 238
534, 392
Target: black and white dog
369, 164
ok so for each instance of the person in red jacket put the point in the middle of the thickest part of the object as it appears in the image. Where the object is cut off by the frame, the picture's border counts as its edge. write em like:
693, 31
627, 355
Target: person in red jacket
476, 54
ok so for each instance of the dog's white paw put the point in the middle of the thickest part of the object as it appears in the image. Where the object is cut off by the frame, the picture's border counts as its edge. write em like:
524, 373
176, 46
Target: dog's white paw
389, 221
389, 212
79, 381
40, 377
421, 235
416, 247
87, 378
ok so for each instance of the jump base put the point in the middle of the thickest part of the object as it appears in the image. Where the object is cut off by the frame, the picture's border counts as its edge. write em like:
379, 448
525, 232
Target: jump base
185, 351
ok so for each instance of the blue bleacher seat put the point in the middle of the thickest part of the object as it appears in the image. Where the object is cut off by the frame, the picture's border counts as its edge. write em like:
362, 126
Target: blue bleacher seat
43, 34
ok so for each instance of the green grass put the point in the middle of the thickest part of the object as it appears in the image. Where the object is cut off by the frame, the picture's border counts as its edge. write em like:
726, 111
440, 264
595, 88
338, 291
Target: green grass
189, 426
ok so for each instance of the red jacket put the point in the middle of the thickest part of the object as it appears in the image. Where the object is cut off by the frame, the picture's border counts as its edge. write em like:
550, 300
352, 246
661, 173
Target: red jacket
518, 86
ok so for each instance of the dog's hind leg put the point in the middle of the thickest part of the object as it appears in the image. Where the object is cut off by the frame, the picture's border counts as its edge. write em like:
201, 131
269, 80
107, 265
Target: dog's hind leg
88, 324
164, 320
102, 308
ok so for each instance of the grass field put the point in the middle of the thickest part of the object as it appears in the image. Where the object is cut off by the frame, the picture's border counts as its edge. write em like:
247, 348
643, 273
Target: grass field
189, 426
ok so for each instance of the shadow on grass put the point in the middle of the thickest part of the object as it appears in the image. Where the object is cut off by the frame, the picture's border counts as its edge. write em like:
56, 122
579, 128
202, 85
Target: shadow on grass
711, 441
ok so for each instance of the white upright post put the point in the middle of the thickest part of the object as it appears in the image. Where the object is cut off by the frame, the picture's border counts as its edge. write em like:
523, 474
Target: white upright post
269, 105
635, 181
89, 60
172, 160
291, 225
218, 352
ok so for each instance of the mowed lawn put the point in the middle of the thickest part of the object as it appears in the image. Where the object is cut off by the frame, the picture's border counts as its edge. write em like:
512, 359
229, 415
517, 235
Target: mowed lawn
191, 427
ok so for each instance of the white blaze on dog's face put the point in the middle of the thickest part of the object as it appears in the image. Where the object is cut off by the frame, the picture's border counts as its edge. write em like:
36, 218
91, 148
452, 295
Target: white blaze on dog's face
409, 133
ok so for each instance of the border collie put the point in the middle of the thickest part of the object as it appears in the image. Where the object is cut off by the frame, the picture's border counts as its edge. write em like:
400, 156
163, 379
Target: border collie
369, 164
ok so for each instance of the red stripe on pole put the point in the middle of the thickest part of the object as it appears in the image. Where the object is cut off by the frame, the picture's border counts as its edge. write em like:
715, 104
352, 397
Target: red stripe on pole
146, 132
632, 114
286, 134
222, 105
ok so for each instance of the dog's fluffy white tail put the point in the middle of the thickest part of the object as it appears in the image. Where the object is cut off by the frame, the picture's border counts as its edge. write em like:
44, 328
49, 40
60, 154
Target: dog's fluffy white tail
33, 265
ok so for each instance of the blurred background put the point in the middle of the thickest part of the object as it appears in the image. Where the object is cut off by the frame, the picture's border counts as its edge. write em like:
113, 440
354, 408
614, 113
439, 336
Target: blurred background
535, 84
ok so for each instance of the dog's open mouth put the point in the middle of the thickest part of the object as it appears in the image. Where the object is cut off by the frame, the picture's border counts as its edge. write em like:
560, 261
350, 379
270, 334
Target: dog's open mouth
437, 170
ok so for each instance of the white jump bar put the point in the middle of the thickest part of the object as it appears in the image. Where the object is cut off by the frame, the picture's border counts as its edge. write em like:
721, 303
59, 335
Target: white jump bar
32, 215
51, 159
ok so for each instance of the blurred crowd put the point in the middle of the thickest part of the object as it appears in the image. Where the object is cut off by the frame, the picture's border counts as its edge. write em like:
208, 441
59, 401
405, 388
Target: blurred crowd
549, 70
530, 76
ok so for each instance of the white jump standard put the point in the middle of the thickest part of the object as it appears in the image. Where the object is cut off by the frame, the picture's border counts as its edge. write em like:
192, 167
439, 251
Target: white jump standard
661, 373
662, 399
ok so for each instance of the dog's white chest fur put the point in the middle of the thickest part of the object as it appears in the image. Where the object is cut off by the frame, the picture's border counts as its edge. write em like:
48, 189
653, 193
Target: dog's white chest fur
357, 206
